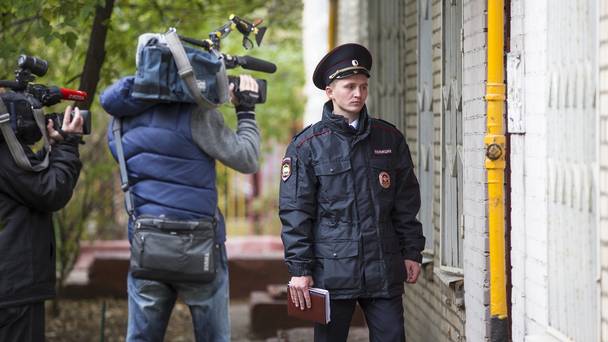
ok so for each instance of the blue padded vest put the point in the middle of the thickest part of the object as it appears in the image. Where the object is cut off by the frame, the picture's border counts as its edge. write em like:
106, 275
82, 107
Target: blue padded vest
169, 174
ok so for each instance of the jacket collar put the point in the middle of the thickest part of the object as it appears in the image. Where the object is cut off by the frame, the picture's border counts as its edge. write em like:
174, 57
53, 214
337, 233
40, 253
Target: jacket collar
339, 123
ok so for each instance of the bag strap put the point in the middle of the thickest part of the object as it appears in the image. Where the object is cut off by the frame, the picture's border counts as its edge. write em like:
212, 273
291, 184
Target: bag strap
124, 176
184, 68
14, 145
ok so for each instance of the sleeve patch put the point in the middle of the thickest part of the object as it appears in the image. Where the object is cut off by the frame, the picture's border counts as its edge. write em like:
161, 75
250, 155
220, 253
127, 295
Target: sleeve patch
286, 169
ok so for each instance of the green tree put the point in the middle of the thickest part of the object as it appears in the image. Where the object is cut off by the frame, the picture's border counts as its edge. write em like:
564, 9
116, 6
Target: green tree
90, 43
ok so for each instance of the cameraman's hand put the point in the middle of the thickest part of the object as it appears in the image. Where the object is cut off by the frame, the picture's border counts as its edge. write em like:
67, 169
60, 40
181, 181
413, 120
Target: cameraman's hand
70, 125
247, 95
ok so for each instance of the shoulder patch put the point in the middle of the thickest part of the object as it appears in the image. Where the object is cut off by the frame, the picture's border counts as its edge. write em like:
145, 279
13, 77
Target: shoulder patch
314, 135
386, 122
302, 131
385, 126
286, 168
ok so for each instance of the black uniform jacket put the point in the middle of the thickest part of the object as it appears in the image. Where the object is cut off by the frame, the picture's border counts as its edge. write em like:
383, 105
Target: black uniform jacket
27, 244
348, 205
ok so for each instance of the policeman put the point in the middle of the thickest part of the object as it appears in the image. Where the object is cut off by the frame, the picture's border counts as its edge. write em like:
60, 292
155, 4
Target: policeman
348, 204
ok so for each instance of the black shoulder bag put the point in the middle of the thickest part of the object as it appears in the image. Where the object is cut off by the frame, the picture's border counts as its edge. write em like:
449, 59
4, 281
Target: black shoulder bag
164, 249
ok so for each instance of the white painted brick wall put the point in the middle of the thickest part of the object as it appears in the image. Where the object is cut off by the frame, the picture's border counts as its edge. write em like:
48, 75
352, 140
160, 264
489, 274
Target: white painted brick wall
528, 173
475, 190
603, 160
429, 309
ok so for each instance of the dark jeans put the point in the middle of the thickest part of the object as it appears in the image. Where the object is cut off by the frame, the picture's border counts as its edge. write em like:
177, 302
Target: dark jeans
384, 317
22, 323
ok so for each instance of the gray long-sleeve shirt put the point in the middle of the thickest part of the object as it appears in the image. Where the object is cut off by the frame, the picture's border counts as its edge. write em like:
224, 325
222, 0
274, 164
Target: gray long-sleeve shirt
239, 150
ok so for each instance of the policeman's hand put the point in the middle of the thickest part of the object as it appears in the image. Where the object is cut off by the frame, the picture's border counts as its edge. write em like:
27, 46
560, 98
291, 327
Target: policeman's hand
298, 291
247, 94
413, 271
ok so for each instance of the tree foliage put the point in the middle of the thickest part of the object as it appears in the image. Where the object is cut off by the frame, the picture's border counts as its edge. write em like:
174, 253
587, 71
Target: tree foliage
62, 32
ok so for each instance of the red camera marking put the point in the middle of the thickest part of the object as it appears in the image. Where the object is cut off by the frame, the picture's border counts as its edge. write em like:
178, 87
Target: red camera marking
73, 94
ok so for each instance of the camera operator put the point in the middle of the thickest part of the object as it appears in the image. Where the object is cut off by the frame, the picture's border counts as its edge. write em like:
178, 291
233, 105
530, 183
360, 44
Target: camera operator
170, 150
27, 241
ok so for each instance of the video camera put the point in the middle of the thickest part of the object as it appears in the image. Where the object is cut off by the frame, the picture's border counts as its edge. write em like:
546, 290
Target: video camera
27, 97
163, 62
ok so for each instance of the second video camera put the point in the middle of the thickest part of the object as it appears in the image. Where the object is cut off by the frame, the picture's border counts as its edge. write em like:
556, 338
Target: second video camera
25, 97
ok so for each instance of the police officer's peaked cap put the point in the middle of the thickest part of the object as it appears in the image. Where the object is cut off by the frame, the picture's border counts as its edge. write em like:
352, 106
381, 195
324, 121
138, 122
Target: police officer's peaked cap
343, 61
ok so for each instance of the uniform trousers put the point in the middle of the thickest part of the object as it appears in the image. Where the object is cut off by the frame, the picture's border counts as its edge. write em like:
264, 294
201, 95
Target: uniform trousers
384, 317
22, 323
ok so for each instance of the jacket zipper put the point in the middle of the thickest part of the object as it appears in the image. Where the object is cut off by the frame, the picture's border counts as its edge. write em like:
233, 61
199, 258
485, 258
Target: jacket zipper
357, 220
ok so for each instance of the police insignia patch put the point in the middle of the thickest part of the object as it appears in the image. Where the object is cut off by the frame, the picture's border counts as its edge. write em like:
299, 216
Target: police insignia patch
286, 169
385, 179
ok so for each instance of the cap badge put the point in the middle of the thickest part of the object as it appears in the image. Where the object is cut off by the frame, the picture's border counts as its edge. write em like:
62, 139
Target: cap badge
385, 179
355, 62
286, 169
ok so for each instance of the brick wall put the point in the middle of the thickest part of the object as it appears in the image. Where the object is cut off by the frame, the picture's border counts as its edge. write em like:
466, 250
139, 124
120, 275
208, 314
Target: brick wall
603, 161
529, 245
432, 311
411, 90
475, 195
528, 172
437, 65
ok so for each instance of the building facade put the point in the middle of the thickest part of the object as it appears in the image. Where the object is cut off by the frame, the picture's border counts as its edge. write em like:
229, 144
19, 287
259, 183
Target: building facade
602, 191
429, 79
553, 117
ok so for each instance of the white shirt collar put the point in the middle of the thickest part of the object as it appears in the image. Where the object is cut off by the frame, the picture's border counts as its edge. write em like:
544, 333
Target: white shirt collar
355, 123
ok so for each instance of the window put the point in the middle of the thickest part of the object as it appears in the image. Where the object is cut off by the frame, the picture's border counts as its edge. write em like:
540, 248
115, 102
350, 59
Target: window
425, 120
386, 20
451, 138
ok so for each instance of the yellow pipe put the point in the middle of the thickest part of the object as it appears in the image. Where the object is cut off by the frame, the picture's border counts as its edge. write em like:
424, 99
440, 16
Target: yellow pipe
495, 162
333, 24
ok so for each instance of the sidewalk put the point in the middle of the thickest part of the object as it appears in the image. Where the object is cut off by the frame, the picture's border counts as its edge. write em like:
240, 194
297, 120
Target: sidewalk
80, 320
239, 320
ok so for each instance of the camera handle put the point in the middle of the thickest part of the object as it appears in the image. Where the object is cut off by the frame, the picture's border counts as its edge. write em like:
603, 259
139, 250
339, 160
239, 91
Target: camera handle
14, 145
184, 68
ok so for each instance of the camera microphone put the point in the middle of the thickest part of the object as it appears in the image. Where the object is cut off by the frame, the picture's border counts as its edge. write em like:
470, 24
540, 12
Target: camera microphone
255, 64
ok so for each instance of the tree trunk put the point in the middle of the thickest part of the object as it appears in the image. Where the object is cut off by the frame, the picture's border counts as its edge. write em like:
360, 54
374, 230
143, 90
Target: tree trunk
96, 53
88, 82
